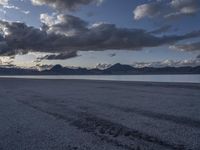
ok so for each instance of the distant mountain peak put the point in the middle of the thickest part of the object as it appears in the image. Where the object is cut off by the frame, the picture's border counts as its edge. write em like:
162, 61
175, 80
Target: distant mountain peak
57, 68
120, 67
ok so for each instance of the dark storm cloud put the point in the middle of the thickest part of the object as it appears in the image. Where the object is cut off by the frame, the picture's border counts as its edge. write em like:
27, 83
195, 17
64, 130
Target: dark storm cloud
65, 4
60, 56
19, 38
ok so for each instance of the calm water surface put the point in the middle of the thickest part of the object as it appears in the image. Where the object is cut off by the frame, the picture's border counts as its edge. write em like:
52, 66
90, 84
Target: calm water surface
151, 78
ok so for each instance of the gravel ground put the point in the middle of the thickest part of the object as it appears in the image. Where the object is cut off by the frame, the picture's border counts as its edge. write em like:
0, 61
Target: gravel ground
98, 115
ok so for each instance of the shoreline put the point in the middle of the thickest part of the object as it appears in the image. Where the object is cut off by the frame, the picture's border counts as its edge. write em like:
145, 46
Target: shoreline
194, 79
150, 83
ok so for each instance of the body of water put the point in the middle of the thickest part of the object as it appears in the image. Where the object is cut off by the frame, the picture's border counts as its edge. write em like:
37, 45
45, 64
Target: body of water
147, 78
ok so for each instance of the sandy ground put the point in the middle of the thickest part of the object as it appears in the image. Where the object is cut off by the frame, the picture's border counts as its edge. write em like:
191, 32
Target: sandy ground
98, 115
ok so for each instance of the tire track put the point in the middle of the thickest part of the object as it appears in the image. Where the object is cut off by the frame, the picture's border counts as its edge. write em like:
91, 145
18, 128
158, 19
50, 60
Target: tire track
113, 133
155, 115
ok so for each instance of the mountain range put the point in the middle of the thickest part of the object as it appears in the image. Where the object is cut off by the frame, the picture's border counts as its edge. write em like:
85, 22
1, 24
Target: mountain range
117, 69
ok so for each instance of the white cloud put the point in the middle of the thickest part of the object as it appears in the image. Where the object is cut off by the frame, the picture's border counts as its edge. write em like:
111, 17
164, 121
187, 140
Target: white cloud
47, 19
195, 46
3, 2
63, 24
167, 9
11, 7
146, 10
5, 5
26, 12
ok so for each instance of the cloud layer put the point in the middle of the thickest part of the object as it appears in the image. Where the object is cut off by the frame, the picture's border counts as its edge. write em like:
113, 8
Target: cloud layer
70, 5
73, 34
63, 24
167, 9
3, 2
64, 35
187, 47
60, 56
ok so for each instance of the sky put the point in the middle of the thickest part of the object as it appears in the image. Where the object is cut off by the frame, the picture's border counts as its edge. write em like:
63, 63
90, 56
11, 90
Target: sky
97, 33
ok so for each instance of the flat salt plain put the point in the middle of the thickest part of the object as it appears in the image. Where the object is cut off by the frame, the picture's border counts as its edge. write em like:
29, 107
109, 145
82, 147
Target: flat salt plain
98, 115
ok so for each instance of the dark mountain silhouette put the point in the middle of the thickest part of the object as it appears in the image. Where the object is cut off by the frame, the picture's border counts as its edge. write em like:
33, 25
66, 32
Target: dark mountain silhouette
117, 69
120, 69
17, 71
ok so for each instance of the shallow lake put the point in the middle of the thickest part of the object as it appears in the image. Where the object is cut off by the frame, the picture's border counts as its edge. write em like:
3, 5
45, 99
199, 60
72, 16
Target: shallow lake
150, 78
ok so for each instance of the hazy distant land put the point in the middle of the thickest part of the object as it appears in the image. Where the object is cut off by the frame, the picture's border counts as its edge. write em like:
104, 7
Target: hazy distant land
116, 69
98, 115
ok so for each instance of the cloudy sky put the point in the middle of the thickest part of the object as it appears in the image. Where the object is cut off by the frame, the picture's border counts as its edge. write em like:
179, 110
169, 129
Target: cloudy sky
91, 33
